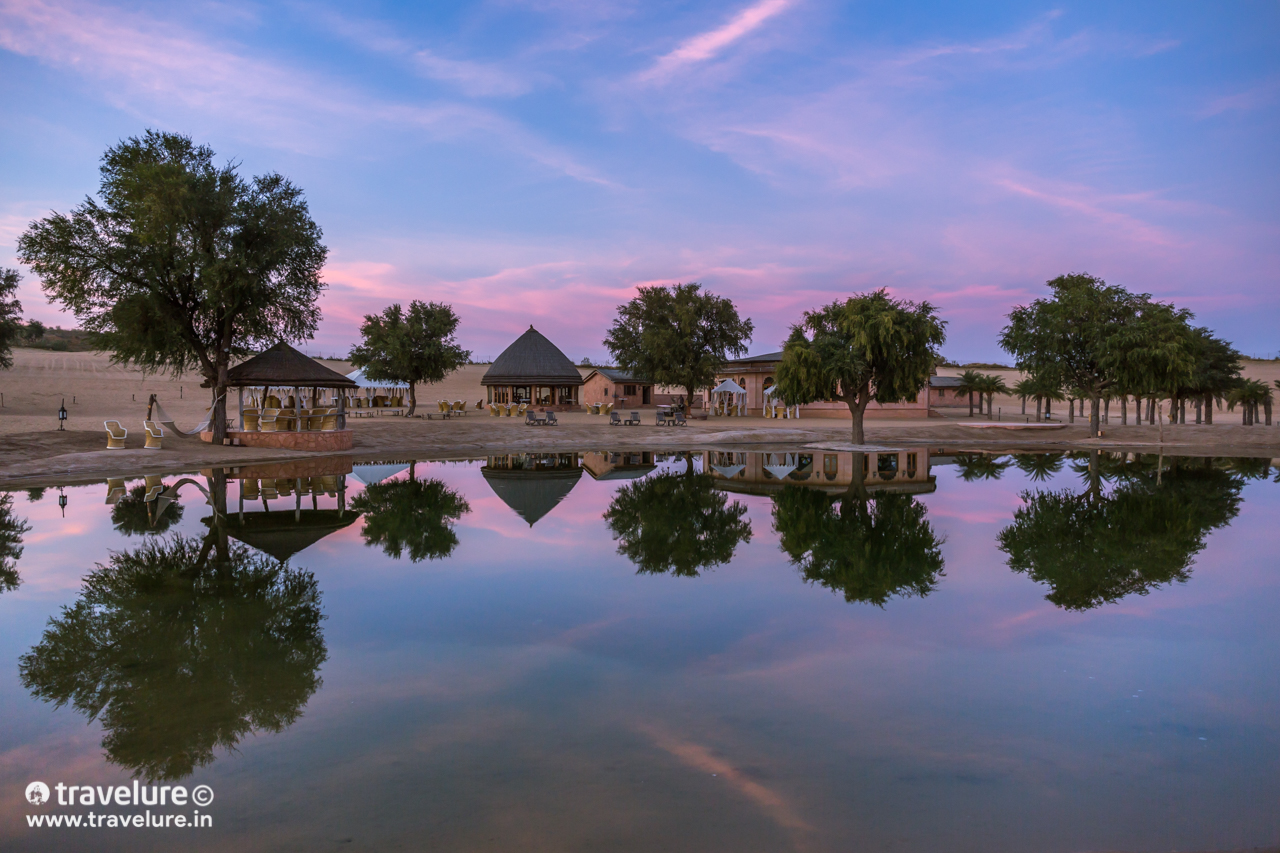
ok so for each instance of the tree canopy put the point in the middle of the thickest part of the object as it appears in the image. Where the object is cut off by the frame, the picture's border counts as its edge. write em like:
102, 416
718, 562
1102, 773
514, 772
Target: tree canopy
11, 327
679, 335
1095, 548
868, 347
413, 515
12, 529
1095, 339
132, 514
177, 655
866, 549
676, 523
182, 264
417, 346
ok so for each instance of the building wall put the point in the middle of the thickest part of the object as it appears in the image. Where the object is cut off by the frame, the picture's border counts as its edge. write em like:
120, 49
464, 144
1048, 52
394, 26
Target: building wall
601, 389
756, 377
898, 468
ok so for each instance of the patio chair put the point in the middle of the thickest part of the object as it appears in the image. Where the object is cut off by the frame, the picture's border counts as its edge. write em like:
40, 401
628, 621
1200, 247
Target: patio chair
634, 420
530, 419
249, 489
115, 491
251, 418
155, 485
679, 419
551, 419
270, 420
459, 407
329, 422
116, 434
155, 435
615, 419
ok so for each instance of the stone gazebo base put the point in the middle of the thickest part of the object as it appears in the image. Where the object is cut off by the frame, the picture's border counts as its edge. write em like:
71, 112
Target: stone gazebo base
314, 441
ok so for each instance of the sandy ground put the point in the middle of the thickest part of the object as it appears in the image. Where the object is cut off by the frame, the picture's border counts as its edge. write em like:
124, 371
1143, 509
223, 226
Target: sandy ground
33, 451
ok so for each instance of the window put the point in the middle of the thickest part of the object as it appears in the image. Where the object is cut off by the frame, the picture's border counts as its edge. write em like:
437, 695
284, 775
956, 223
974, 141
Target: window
911, 464
887, 465
628, 390
830, 465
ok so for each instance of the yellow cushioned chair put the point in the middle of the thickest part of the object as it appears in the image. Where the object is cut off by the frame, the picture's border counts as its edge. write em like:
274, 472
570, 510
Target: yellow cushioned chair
116, 434
155, 435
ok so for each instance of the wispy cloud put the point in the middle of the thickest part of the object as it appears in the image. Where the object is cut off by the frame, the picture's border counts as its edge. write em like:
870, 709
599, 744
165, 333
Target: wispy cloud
473, 78
1253, 98
708, 45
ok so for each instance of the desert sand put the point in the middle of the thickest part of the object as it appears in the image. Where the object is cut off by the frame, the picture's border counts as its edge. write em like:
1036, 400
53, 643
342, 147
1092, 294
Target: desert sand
33, 451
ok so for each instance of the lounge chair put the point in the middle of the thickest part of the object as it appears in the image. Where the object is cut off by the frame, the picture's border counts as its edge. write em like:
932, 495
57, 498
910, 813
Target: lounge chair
116, 434
530, 419
270, 420
615, 419
679, 419
155, 434
551, 419
329, 422
634, 420
660, 418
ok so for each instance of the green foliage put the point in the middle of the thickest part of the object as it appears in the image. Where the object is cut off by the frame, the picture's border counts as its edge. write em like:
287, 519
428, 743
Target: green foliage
970, 384
12, 529
676, 523
1039, 466
11, 328
869, 347
1092, 549
1095, 339
132, 515
679, 336
868, 550
410, 348
176, 655
182, 264
981, 466
412, 515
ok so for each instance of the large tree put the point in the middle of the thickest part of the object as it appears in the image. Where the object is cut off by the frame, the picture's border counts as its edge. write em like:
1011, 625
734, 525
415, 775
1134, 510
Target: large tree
182, 264
413, 515
177, 652
11, 327
409, 348
133, 514
679, 335
1097, 339
868, 347
676, 523
1094, 548
866, 549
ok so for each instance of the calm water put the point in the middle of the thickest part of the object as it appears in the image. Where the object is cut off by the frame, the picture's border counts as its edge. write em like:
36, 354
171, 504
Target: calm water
611, 652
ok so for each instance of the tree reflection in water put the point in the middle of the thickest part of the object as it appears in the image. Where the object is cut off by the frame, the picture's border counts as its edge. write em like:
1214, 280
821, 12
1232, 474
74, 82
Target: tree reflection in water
12, 529
676, 523
414, 515
180, 647
132, 514
1095, 548
868, 548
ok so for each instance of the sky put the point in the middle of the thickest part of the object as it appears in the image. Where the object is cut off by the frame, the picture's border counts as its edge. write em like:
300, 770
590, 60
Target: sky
535, 161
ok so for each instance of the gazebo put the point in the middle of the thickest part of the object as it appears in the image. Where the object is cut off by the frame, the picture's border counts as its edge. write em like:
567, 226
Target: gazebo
316, 426
532, 484
729, 398
534, 371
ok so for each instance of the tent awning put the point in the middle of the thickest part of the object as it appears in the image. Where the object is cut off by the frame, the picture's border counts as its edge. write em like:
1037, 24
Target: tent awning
728, 386
358, 377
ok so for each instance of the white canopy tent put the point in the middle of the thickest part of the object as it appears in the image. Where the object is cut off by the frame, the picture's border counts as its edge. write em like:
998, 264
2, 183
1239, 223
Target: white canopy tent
373, 473
770, 410
729, 396
372, 385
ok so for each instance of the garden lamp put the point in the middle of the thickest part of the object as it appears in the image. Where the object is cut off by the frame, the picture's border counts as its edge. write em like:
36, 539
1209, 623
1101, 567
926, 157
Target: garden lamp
62, 413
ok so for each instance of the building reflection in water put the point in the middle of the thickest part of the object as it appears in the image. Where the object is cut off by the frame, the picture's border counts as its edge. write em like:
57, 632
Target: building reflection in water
904, 471
532, 484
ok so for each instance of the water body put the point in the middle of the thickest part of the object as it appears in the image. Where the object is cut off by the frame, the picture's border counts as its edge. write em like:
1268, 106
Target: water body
628, 651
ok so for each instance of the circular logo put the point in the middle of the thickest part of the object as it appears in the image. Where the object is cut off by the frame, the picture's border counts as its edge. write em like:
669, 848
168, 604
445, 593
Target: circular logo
37, 793
201, 796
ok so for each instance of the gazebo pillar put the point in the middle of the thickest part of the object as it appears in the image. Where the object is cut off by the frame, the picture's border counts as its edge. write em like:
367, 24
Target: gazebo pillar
297, 409
342, 409
240, 405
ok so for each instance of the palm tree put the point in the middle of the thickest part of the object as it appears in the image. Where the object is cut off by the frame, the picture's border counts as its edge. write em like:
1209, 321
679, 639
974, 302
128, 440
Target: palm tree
970, 383
993, 384
1039, 466
1045, 390
1024, 389
1251, 395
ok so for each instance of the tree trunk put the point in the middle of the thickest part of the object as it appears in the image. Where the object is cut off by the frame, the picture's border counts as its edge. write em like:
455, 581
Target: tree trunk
1106, 411
1039, 408
1124, 410
1199, 410
970, 404
857, 407
1024, 405
858, 482
1048, 402
1094, 407
1208, 409
413, 399
1095, 475
1071, 410
688, 402
1182, 410
1266, 410
218, 415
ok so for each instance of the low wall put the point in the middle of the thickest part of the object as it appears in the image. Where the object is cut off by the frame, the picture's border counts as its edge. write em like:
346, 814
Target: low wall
315, 442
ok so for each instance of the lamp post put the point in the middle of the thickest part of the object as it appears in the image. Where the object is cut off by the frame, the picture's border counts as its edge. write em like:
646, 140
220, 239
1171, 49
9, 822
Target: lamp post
62, 501
62, 414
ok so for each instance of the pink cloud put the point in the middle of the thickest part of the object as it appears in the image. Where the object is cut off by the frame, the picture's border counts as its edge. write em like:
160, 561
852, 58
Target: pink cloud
708, 45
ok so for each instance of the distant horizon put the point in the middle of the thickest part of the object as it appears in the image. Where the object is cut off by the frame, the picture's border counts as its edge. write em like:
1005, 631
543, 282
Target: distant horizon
538, 161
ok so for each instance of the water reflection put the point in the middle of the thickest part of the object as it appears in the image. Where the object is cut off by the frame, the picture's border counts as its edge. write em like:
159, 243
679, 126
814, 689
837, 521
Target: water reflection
906, 471
413, 515
676, 523
180, 647
12, 529
868, 546
1095, 548
532, 484
137, 511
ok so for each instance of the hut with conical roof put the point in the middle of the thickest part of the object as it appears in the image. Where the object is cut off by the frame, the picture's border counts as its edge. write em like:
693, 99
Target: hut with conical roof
534, 371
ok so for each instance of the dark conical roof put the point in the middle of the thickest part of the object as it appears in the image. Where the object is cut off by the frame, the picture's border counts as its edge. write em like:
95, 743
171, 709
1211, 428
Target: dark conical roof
531, 360
280, 535
532, 494
284, 366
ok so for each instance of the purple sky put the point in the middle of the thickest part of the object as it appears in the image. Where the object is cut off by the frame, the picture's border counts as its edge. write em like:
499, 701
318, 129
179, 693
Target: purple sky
533, 162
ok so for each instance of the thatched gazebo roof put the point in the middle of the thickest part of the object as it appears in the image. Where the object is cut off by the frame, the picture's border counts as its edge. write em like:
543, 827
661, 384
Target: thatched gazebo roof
283, 366
532, 360
280, 535
532, 494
